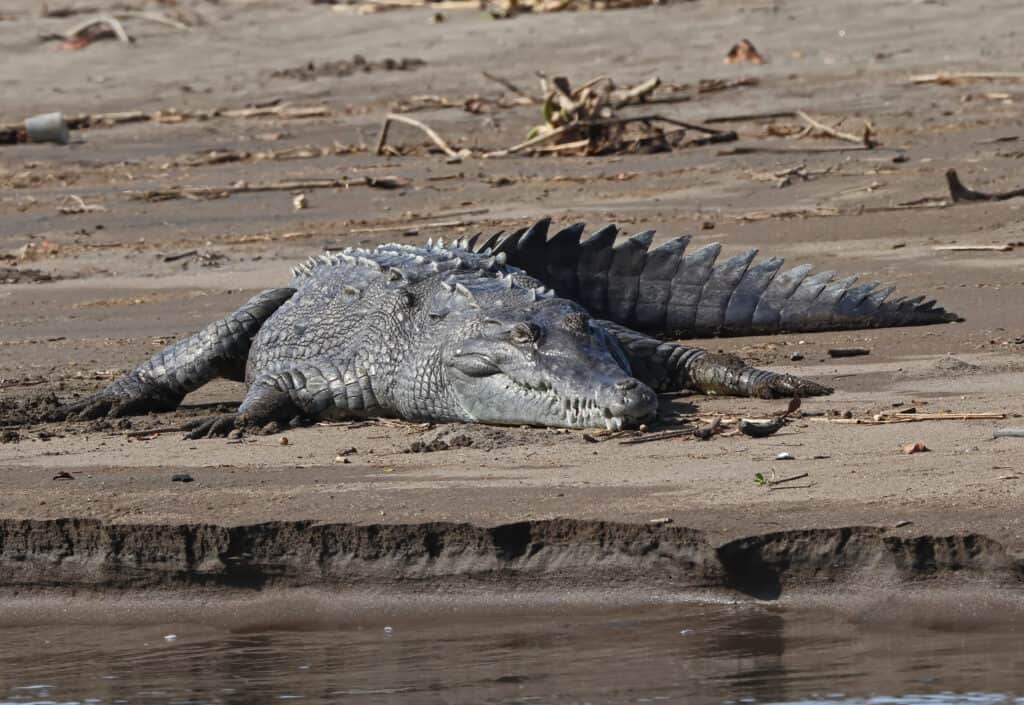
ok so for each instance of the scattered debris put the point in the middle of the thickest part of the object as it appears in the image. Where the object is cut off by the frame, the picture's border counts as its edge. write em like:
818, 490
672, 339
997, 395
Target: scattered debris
886, 417
791, 408
865, 138
585, 121
660, 521
199, 193
662, 436
848, 352
705, 432
12, 133
974, 248
387, 182
762, 481
85, 33
205, 259
743, 51
74, 205
958, 192
791, 478
311, 70
17, 275
761, 428
512, 88
300, 201
1008, 433
901, 524
784, 456
916, 447
434, 137
47, 127
441, 439
109, 26
949, 78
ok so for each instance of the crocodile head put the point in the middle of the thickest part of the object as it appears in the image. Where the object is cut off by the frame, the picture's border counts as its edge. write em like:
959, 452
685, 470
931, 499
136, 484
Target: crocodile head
544, 364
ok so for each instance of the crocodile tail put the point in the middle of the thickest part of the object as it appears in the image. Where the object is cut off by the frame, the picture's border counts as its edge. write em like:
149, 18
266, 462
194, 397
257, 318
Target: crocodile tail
671, 291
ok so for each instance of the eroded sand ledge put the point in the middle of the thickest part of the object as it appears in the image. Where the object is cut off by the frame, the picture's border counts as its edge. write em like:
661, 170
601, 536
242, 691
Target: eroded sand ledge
71, 555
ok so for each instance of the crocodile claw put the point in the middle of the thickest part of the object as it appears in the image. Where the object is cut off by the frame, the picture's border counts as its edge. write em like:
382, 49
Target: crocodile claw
110, 404
216, 426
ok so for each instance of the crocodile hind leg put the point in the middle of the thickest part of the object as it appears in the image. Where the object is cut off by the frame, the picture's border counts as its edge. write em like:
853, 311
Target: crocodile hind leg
162, 381
669, 367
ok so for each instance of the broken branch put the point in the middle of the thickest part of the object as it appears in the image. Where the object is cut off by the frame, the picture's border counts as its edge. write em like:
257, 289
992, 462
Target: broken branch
412, 122
864, 139
959, 192
510, 86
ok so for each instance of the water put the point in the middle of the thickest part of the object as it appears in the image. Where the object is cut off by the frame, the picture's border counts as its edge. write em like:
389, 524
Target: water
729, 655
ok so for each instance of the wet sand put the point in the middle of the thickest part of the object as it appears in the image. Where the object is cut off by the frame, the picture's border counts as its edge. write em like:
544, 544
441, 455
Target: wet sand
113, 296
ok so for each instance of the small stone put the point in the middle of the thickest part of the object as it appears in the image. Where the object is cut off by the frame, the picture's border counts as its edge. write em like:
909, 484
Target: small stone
283, 441
170, 637
235, 433
783, 456
796, 357
181, 477
300, 202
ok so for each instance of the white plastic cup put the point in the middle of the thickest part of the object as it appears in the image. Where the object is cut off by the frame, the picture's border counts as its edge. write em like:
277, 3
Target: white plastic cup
48, 127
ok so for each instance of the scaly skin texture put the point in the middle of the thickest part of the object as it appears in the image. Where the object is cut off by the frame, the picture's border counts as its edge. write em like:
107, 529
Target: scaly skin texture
453, 333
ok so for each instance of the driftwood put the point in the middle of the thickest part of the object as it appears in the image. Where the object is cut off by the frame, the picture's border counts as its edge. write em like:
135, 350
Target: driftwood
405, 120
974, 248
947, 78
864, 139
212, 192
958, 192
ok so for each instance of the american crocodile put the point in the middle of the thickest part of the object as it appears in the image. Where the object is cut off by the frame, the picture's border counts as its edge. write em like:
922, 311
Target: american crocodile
522, 329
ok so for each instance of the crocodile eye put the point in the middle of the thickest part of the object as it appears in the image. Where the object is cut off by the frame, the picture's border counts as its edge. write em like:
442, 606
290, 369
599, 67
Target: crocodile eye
523, 333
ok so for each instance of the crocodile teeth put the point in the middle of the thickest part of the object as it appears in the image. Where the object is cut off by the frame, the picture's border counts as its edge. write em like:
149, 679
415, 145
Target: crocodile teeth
613, 424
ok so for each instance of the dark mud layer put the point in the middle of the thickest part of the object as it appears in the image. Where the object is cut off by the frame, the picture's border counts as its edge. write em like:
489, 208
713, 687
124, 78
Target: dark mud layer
73, 554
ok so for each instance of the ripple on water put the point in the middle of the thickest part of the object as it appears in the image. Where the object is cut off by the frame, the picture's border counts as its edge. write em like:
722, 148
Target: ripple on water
713, 654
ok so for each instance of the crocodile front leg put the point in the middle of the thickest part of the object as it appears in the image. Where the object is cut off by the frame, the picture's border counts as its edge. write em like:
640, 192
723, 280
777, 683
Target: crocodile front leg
306, 391
160, 383
669, 367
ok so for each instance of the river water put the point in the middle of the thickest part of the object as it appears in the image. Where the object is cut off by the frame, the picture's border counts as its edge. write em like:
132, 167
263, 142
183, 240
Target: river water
691, 653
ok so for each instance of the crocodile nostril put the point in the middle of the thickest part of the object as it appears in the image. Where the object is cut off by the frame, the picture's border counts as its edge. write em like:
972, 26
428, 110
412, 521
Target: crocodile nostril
626, 384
